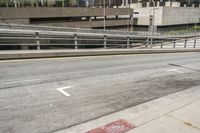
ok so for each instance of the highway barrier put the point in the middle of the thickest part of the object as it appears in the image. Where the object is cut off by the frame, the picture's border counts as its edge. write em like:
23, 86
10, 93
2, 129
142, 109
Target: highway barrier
29, 37
30, 54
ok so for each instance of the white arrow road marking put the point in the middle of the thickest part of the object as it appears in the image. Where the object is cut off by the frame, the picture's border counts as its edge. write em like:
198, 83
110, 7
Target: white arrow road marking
63, 92
174, 70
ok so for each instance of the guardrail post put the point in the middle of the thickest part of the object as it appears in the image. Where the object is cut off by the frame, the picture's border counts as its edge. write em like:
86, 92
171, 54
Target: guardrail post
185, 43
37, 40
75, 41
174, 44
147, 43
104, 41
161, 44
195, 41
128, 42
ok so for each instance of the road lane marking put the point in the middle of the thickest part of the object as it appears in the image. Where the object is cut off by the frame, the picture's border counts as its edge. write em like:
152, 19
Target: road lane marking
63, 92
174, 70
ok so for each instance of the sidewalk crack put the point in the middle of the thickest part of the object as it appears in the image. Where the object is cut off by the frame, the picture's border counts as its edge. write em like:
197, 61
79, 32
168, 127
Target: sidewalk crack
167, 113
184, 122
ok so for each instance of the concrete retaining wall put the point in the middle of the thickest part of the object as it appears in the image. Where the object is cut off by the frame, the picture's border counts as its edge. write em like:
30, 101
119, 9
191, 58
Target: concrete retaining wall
180, 15
168, 15
63, 16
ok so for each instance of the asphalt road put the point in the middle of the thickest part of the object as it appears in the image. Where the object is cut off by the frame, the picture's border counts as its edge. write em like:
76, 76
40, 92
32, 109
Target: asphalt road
32, 97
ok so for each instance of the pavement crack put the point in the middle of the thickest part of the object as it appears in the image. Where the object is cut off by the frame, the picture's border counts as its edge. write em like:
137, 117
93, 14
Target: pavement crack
184, 122
168, 114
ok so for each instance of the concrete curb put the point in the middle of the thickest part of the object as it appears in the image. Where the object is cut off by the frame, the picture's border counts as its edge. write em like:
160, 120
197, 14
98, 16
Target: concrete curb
142, 114
30, 54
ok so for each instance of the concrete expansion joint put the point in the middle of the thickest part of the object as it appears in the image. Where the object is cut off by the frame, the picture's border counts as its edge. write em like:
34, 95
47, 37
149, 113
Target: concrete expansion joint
183, 106
168, 115
150, 114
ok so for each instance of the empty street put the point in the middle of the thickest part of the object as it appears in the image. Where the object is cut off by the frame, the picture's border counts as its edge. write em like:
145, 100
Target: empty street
48, 95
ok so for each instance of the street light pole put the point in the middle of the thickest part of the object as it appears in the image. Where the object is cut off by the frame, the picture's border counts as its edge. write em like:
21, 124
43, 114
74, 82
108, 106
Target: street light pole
128, 20
1, 18
104, 15
130, 17
153, 23
198, 18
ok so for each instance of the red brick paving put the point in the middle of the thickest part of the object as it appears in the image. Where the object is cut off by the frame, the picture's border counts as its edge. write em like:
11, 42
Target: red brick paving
119, 126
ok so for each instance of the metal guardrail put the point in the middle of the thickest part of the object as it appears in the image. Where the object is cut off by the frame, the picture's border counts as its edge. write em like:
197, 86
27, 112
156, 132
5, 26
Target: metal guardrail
75, 40
67, 29
58, 37
184, 43
96, 31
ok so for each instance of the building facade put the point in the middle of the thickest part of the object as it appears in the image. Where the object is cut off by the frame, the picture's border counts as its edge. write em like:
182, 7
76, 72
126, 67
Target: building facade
115, 18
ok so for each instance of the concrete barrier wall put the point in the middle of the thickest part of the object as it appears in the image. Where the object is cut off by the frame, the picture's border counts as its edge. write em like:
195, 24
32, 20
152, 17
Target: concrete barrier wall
75, 53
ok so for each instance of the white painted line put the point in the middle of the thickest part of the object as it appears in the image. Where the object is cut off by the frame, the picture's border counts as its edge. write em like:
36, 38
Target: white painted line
174, 70
63, 92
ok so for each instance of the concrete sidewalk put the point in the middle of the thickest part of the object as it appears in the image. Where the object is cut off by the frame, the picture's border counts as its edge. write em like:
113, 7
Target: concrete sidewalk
29, 54
175, 113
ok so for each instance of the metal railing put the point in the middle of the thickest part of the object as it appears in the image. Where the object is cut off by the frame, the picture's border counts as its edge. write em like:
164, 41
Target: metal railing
39, 38
30, 39
182, 43
98, 31
66, 29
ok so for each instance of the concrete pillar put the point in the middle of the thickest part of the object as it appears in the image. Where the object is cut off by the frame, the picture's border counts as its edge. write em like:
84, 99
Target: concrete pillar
126, 3
158, 3
42, 2
148, 4
90, 19
192, 5
185, 5
123, 2
15, 3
